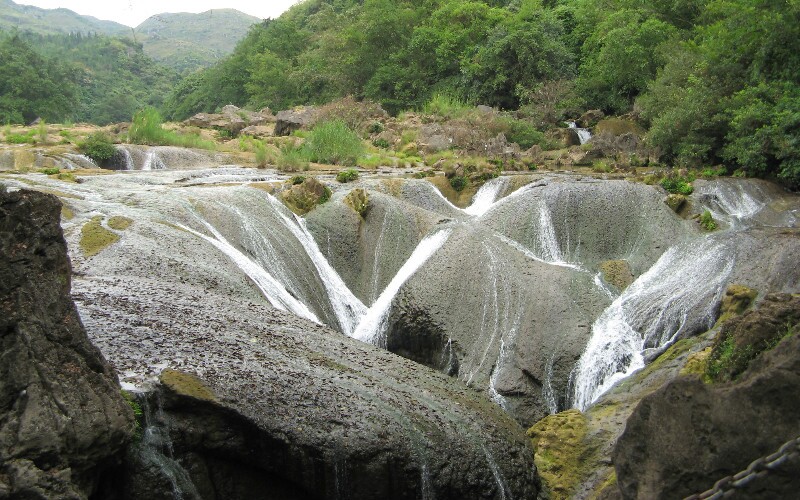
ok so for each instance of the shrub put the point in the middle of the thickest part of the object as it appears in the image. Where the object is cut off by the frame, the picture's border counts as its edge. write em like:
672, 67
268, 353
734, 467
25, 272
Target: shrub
50, 171
523, 133
26, 138
298, 179
446, 106
348, 175
334, 142
677, 185
375, 128
459, 182
98, 147
146, 129
358, 116
707, 221
381, 143
261, 154
41, 131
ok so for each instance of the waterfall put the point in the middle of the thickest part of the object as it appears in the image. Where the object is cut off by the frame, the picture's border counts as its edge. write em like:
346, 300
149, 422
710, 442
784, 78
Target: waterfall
373, 324
728, 202
486, 196
583, 134
155, 450
679, 294
273, 291
82, 161
153, 161
128, 158
346, 306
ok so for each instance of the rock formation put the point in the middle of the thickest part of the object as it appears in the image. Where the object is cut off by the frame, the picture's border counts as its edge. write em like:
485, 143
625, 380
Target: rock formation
63, 421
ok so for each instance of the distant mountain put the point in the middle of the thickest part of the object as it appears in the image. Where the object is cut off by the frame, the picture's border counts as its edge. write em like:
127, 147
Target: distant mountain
185, 42
192, 41
54, 21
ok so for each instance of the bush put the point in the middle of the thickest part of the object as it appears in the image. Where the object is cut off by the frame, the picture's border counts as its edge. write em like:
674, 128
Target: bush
348, 175
50, 171
459, 182
381, 143
298, 179
446, 106
523, 133
261, 153
334, 142
707, 221
677, 185
27, 138
98, 147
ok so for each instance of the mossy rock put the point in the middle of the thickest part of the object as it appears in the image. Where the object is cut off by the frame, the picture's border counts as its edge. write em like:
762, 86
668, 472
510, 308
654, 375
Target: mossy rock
676, 202
358, 200
303, 198
95, 238
697, 363
559, 444
119, 223
617, 273
736, 301
66, 212
618, 126
186, 384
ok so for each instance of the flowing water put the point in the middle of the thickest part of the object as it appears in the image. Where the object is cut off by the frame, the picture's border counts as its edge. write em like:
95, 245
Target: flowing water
153, 161
486, 197
678, 295
583, 134
372, 326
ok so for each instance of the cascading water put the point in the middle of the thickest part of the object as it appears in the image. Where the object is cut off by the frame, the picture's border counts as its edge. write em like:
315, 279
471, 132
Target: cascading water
81, 161
346, 306
155, 450
678, 295
153, 161
372, 327
583, 134
273, 291
128, 158
486, 197
729, 202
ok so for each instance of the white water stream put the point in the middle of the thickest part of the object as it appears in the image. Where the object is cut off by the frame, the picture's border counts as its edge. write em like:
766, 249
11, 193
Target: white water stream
583, 134
273, 291
678, 294
372, 327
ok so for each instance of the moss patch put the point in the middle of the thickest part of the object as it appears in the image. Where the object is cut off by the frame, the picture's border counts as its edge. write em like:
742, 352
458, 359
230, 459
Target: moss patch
736, 301
358, 200
559, 443
677, 349
119, 223
186, 384
617, 273
95, 238
66, 212
697, 363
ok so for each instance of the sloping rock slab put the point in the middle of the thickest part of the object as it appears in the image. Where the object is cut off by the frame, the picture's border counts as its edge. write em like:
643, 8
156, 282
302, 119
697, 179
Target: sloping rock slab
317, 414
62, 417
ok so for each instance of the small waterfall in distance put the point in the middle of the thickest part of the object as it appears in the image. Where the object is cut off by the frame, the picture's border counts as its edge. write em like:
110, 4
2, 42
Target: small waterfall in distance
583, 134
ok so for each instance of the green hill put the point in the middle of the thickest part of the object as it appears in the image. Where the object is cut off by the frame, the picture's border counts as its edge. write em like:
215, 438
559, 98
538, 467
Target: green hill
54, 21
191, 41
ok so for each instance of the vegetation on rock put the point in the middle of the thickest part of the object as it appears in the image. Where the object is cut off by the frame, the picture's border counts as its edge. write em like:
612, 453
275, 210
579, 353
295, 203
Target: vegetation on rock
95, 238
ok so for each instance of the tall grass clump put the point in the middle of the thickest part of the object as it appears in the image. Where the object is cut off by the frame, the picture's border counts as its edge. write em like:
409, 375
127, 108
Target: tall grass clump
147, 129
335, 143
291, 158
446, 106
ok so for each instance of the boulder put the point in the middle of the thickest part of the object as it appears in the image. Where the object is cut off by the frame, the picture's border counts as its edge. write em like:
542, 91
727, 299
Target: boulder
565, 137
304, 197
687, 435
63, 420
290, 120
590, 118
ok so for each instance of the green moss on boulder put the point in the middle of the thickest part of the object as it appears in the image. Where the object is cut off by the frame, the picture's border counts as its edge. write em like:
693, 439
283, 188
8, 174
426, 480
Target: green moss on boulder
559, 441
358, 200
304, 197
186, 384
119, 223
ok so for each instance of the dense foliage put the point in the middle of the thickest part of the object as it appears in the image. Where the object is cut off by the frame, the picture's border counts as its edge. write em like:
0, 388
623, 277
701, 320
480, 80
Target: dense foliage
92, 78
715, 80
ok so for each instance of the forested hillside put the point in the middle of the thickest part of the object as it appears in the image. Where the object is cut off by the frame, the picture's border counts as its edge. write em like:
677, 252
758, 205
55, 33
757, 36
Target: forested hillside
712, 80
54, 21
187, 42
77, 78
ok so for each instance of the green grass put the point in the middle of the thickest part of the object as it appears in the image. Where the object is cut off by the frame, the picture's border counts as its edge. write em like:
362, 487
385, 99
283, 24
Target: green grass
335, 143
291, 158
95, 238
147, 129
707, 221
677, 185
446, 106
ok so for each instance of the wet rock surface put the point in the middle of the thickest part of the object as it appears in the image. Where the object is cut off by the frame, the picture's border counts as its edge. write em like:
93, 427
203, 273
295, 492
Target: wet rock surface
63, 421
688, 434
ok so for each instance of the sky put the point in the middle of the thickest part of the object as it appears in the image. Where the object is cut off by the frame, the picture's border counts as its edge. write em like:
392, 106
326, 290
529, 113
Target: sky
134, 12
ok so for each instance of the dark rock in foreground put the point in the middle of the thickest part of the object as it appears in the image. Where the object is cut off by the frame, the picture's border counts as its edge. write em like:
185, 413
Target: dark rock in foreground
63, 421
689, 434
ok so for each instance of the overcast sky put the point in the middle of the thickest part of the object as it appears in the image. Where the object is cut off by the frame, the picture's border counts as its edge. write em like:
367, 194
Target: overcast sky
133, 12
